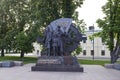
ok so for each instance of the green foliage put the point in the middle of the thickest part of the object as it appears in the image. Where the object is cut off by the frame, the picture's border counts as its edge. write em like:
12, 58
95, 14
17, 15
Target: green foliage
26, 19
16, 14
81, 25
45, 11
111, 25
14, 17
4, 27
26, 60
77, 51
23, 43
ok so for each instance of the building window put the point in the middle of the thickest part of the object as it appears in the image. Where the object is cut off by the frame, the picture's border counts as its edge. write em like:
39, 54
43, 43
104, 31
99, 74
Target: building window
91, 27
84, 38
84, 41
103, 52
92, 52
102, 41
84, 52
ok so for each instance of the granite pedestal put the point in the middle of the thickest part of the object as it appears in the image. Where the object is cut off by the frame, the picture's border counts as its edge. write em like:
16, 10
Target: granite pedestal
11, 63
109, 66
0, 64
57, 63
18, 63
117, 66
7, 64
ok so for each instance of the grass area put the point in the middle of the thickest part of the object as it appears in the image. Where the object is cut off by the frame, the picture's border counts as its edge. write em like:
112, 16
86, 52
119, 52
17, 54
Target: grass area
93, 62
118, 62
17, 58
33, 60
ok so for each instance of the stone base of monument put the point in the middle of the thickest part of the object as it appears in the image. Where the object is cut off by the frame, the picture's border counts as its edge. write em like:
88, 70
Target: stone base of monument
57, 63
18, 63
116, 66
0, 64
113, 66
109, 65
11, 63
7, 64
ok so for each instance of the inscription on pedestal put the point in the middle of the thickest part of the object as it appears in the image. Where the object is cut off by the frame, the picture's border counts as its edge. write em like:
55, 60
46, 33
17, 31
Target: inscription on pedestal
49, 61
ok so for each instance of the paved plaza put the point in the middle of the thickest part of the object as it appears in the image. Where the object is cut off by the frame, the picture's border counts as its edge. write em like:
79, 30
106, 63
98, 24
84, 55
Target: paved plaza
91, 72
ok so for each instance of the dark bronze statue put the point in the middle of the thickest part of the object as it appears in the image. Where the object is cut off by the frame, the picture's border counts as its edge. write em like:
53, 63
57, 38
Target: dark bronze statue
61, 37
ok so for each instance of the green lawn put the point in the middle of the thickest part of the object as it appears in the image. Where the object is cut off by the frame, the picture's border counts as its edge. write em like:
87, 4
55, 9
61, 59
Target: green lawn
93, 62
16, 58
33, 60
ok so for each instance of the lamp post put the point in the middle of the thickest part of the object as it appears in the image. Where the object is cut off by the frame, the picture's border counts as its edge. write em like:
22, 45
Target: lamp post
91, 28
93, 45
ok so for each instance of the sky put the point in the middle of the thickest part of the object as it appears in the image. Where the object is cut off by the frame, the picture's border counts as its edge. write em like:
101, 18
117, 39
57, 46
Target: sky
91, 10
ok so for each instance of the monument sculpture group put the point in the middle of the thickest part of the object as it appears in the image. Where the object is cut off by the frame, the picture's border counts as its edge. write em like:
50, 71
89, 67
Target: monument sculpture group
61, 38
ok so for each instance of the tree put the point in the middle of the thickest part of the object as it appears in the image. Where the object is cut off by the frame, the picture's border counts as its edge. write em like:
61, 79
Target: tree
15, 18
4, 27
23, 44
31, 17
21, 11
111, 27
45, 11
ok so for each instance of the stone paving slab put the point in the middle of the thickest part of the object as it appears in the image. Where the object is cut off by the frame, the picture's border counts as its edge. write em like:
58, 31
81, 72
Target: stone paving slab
91, 72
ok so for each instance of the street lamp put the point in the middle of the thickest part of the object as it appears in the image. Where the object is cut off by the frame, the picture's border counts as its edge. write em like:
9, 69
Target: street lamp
91, 28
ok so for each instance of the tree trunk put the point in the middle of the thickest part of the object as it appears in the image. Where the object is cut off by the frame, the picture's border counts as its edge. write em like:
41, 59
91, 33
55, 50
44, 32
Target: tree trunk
115, 54
111, 56
2, 53
22, 54
116, 51
111, 45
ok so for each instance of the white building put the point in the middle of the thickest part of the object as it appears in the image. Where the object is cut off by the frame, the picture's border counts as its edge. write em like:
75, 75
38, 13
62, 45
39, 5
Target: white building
37, 49
96, 45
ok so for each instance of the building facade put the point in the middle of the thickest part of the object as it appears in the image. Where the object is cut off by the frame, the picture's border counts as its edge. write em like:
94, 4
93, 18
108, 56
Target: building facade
95, 47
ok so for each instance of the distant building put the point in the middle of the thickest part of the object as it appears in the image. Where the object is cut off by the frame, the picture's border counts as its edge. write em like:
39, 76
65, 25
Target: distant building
37, 48
94, 48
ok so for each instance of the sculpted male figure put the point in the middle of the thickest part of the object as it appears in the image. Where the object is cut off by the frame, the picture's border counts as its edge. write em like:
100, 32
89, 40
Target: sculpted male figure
57, 42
